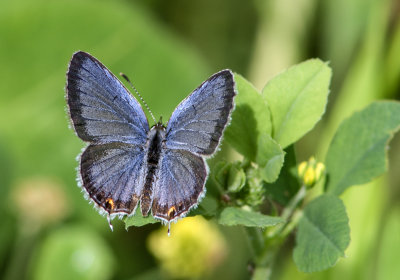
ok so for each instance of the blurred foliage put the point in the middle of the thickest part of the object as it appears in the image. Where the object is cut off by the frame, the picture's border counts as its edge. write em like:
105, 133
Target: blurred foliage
73, 252
194, 248
168, 48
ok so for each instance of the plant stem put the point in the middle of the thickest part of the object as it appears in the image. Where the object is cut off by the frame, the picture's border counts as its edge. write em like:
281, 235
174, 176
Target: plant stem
266, 259
256, 240
288, 212
289, 209
266, 246
263, 258
261, 273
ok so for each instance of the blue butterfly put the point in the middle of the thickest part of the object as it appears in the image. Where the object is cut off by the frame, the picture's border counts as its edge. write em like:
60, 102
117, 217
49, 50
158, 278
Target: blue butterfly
126, 161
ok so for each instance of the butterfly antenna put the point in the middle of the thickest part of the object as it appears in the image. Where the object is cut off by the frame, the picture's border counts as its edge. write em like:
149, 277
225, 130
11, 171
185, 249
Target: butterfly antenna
138, 94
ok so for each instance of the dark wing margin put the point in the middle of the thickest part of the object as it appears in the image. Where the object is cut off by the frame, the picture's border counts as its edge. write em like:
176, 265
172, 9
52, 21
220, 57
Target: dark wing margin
112, 176
102, 110
197, 124
180, 185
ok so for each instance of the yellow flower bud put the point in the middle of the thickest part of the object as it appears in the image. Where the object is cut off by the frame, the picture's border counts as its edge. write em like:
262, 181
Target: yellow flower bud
302, 168
310, 172
309, 176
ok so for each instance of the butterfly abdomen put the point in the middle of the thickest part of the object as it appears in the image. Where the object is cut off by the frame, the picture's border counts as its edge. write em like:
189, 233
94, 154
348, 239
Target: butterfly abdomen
154, 145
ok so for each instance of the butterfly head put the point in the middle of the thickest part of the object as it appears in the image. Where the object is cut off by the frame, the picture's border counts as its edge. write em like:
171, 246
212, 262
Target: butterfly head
159, 125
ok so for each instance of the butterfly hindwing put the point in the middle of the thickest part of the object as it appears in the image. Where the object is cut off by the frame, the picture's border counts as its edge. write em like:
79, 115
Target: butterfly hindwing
197, 124
101, 108
112, 174
181, 178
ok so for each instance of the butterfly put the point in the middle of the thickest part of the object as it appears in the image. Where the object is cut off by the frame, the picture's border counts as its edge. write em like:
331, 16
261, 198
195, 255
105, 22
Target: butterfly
127, 162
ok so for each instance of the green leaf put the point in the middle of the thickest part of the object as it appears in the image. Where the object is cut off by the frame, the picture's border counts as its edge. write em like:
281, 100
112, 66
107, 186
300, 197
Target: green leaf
207, 207
357, 153
287, 184
323, 234
232, 216
138, 220
250, 117
269, 157
297, 99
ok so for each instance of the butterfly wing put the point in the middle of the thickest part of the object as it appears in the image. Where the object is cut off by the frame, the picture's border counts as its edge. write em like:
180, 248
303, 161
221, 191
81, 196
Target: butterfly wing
198, 122
180, 184
112, 175
193, 131
105, 114
101, 108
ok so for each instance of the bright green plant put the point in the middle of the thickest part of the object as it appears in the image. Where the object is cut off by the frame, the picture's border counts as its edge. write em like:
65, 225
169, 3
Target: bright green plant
265, 126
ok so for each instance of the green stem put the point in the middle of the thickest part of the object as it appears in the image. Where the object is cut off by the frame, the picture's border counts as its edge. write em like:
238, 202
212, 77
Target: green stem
266, 247
262, 273
261, 255
265, 260
288, 212
256, 240
289, 209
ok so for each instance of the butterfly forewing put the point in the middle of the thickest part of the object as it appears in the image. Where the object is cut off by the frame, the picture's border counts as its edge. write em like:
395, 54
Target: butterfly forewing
101, 108
198, 122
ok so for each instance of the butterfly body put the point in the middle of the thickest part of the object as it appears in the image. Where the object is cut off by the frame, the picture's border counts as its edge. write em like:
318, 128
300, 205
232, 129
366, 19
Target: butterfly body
154, 147
127, 163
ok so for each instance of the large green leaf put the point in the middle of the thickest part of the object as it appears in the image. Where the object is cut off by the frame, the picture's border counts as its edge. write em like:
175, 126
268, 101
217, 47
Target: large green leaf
297, 99
232, 216
250, 118
357, 153
323, 234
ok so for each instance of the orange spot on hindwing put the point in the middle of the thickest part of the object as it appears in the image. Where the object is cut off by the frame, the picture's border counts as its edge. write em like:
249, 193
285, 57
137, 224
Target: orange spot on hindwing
171, 212
110, 205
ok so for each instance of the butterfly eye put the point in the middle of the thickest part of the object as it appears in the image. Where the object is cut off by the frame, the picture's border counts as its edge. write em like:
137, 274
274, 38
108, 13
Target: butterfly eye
110, 204
171, 212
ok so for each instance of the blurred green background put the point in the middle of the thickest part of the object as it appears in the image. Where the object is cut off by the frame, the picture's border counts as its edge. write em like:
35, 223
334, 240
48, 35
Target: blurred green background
167, 48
